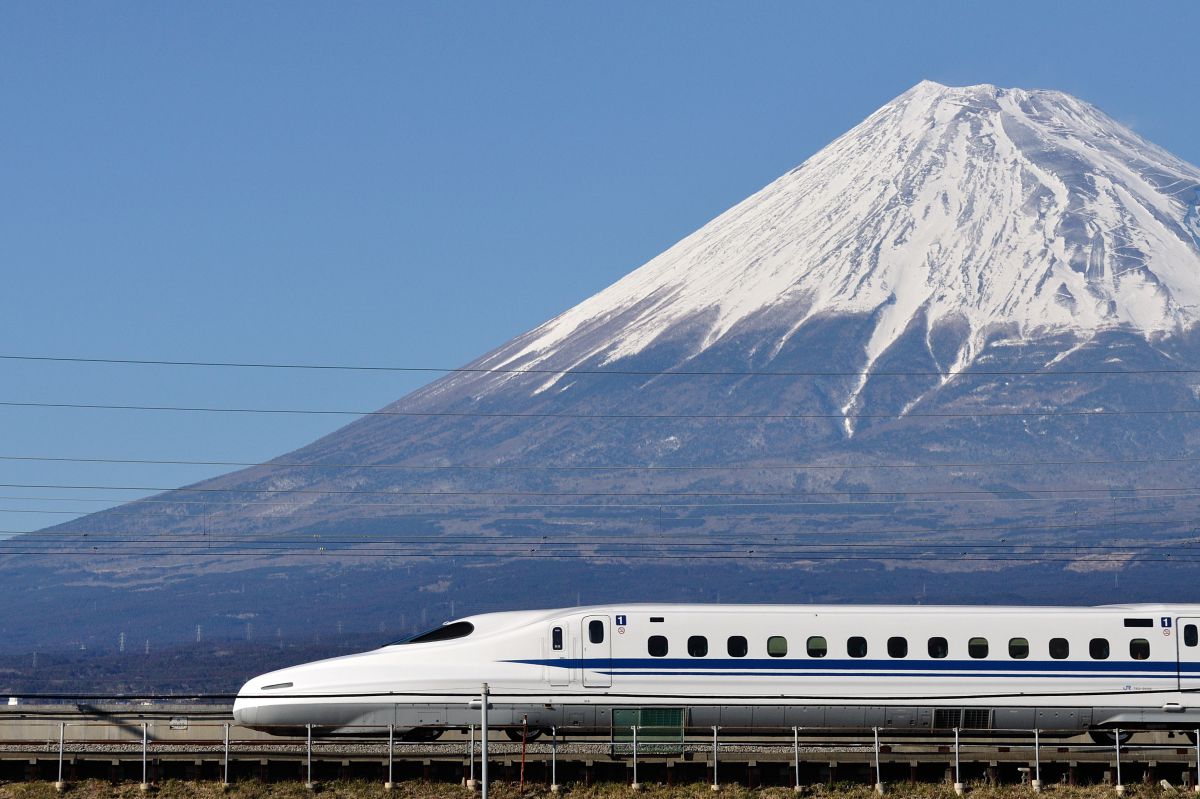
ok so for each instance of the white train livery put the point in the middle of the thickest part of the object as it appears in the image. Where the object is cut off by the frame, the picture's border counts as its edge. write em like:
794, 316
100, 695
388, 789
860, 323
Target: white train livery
761, 666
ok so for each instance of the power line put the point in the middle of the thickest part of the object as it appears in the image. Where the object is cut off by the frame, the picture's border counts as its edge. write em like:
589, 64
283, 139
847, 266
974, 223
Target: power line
535, 553
273, 464
961, 497
605, 416
519, 505
466, 543
600, 372
824, 532
1115, 491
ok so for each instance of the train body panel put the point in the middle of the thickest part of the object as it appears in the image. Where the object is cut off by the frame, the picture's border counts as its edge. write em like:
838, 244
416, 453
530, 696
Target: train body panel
760, 666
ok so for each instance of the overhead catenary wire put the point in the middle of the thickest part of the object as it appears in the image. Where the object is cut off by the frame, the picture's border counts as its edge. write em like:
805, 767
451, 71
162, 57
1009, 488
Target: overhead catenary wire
503, 467
1113, 492
662, 534
1020, 414
535, 370
534, 553
467, 543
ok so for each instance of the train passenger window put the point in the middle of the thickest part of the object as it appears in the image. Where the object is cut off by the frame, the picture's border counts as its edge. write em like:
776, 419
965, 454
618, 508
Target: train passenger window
656, 645
1059, 648
1018, 648
1190, 636
776, 646
977, 647
1139, 649
1098, 648
596, 631
817, 646
736, 646
856, 646
938, 647
556, 639
697, 646
897, 647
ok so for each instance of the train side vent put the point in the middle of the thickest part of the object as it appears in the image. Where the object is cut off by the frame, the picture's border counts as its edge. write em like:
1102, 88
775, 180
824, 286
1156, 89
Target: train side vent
946, 718
977, 718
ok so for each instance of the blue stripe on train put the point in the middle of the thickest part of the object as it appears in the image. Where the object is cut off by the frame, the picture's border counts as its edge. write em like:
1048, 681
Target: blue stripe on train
850, 667
1031, 675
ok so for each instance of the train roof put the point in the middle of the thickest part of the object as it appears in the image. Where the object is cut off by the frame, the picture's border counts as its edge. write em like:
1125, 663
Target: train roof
507, 618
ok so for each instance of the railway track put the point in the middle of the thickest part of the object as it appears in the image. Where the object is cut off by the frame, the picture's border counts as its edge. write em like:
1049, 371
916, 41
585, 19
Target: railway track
189, 742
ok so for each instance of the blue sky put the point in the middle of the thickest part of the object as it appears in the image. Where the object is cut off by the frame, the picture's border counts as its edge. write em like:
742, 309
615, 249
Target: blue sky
415, 183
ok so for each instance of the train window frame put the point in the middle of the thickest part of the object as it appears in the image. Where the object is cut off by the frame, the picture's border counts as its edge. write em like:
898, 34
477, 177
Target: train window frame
447, 632
652, 644
817, 646
1191, 635
978, 647
856, 646
777, 646
737, 646
556, 639
937, 647
1139, 648
1018, 648
897, 647
596, 631
1099, 649
697, 646
1059, 648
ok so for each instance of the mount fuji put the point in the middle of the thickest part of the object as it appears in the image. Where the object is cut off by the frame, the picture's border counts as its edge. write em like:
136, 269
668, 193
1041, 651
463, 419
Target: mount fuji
953, 355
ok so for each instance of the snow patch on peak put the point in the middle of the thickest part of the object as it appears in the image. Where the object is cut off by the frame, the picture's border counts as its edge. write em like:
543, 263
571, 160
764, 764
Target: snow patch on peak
1028, 210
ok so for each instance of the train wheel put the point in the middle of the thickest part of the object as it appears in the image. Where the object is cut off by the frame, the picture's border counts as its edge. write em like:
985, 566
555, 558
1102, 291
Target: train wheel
531, 734
1108, 737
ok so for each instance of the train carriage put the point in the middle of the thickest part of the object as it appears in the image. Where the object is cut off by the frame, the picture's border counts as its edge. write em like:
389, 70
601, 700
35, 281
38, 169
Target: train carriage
896, 667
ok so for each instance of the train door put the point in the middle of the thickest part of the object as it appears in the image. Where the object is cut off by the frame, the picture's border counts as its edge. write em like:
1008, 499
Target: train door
1187, 643
597, 652
558, 662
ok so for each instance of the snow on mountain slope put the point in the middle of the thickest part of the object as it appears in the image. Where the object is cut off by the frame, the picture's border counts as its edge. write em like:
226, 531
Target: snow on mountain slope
1027, 210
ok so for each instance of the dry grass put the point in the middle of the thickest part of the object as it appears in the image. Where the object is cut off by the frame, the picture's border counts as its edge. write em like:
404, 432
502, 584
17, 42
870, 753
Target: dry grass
97, 789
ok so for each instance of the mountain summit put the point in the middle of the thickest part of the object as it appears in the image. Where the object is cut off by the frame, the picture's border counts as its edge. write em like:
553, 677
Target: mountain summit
976, 207
960, 339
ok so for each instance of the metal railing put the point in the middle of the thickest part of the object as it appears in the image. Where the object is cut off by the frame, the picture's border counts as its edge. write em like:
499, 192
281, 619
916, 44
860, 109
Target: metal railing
137, 740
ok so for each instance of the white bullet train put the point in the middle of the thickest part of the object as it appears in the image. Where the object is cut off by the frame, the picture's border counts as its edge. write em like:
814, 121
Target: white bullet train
763, 667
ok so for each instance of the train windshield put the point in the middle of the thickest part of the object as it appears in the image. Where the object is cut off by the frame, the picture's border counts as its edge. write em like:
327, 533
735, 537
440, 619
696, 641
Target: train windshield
447, 632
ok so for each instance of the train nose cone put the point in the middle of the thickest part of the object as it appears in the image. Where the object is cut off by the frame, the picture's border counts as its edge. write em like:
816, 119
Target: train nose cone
245, 711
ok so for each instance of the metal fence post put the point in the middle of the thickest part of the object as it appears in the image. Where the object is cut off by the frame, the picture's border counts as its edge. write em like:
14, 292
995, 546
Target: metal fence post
958, 783
225, 779
483, 741
878, 773
471, 756
145, 786
391, 784
554, 760
796, 756
1117, 743
716, 783
61, 786
1196, 789
1037, 762
635, 785
310, 785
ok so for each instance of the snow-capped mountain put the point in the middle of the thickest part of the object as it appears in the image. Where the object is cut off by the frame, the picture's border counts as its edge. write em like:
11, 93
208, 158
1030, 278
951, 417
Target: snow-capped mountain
1028, 211
841, 363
